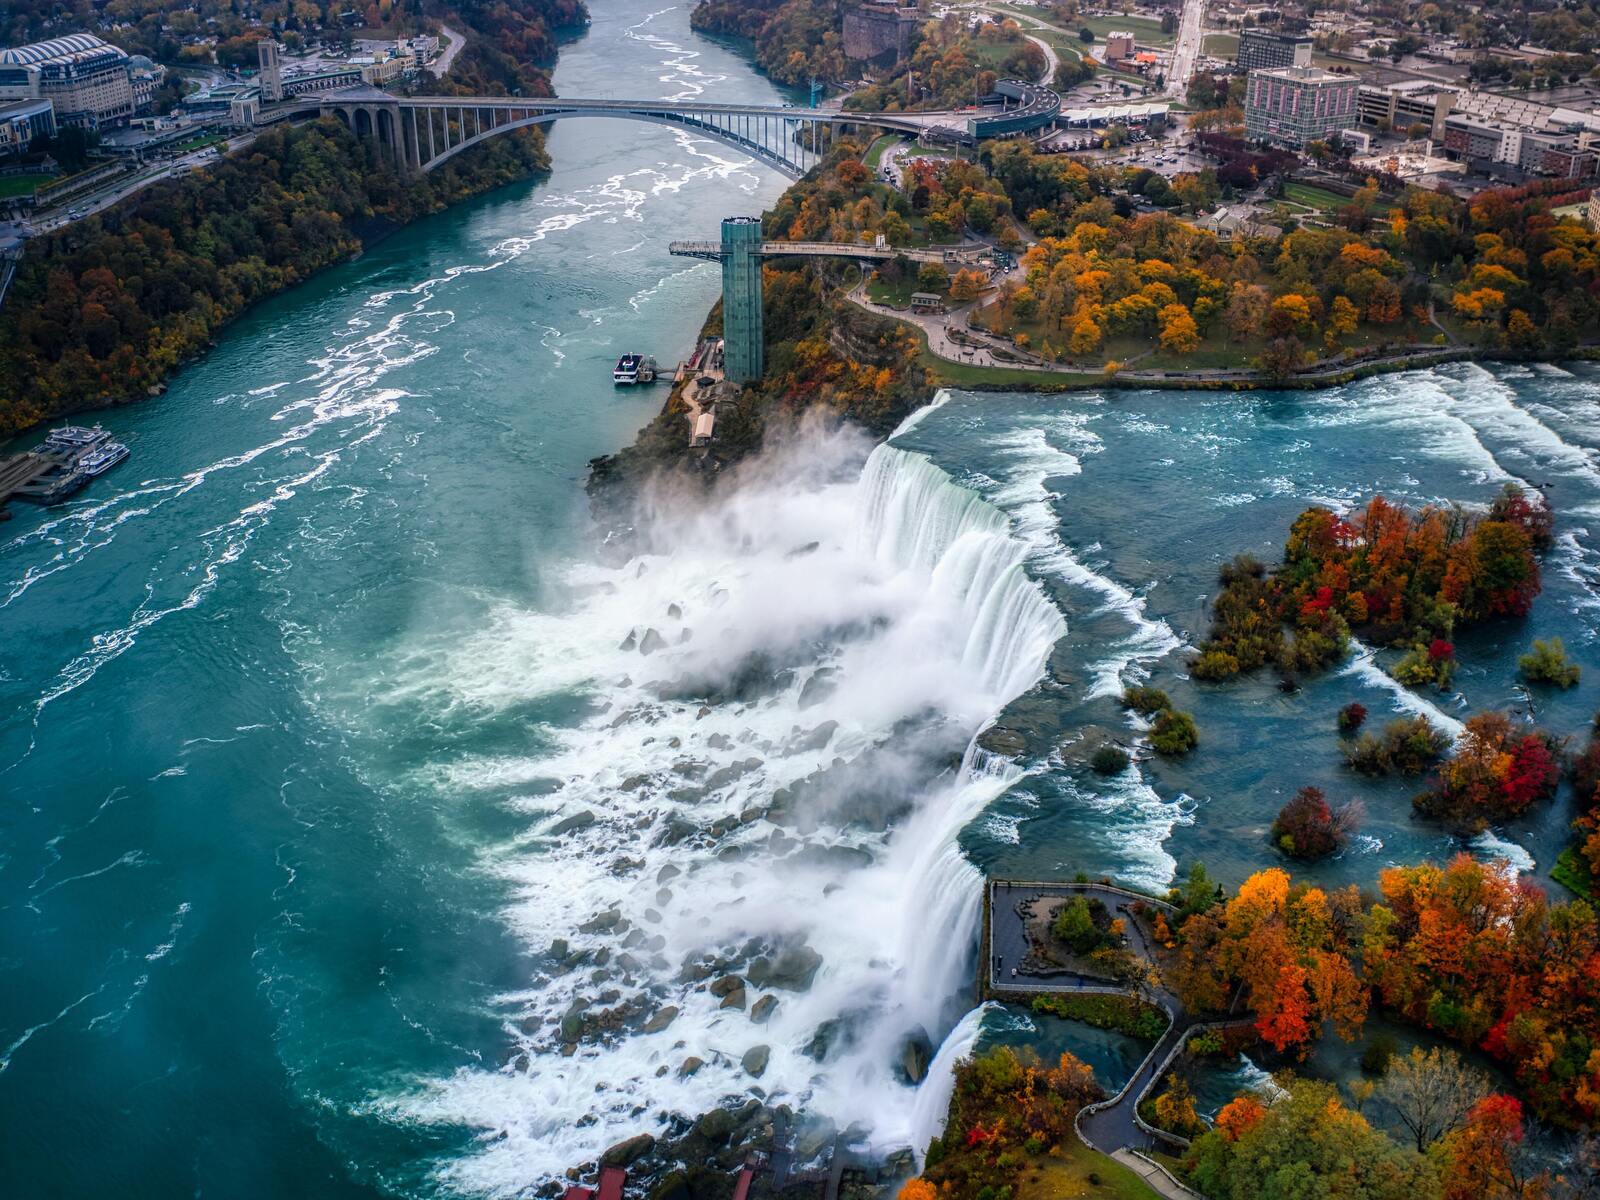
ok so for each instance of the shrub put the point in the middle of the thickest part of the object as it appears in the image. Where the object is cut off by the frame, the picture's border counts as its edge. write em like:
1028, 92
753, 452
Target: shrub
1407, 746
1077, 925
1380, 1050
1145, 700
1308, 827
1214, 665
1351, 716
1109, 760
1547, 662
1494, 773
1174, 733
1432, 664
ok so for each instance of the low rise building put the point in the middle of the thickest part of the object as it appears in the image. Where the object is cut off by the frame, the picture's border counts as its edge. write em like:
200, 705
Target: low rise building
22, 121
1119, 46
1398, 106
1294, 106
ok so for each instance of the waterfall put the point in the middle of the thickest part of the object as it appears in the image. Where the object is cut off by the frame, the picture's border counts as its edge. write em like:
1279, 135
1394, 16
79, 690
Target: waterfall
932, 1104
912, 593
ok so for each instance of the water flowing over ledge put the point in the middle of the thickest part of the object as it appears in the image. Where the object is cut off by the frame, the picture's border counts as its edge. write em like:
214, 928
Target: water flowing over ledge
763, 789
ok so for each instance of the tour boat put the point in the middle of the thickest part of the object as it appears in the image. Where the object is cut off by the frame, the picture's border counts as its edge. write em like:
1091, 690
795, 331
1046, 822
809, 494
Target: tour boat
634, 368
73, 439
102, 458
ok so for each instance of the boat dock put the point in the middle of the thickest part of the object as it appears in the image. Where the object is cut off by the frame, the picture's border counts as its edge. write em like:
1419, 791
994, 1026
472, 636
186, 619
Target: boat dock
24, 477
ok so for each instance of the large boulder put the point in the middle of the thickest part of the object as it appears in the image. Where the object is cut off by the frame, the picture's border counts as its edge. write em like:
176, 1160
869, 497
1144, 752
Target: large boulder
660, 1019
792, 970
626, 1153
755, 1060
761, 1010
916, 1052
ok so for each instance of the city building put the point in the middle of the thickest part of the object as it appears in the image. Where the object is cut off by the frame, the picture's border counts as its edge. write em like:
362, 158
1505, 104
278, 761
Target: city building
1399, 106
22, 121
879, 31
1264, 50
1294, 106
1119, 46
743, 360
269, 71
1506, 135
88, 81
1592, 214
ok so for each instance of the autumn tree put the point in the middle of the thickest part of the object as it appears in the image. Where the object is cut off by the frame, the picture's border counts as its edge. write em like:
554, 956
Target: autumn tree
1179, 333
1431, 1092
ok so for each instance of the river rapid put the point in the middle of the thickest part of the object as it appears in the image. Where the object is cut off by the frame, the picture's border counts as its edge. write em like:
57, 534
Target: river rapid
370, 829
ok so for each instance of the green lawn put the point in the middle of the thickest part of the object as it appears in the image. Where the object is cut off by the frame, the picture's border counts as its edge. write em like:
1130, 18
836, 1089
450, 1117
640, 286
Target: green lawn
204, 139
1572, 873
873, 159
12, 186
1072, 1171
1143, 29
1314, 197
1221, 45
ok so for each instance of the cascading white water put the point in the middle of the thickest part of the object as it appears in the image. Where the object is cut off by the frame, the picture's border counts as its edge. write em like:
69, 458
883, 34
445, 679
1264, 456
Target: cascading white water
827, 642
933, 1097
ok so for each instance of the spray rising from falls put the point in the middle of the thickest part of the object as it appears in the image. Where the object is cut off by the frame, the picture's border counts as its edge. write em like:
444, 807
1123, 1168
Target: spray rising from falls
746, 865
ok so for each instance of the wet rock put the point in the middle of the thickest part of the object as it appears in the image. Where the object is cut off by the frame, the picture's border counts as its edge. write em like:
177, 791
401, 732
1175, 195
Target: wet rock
660, 1019
609, 919
663, 896
732, 853
629, 642
627, 1152
755, 1061
716, 1125
635, 936
651, 642
728, 983
792, 970
676, 830
572, 1021
761, 1011
667, 872
674, 612
705, 711
734, 1000
916, 1052
689, 1066
719, 741
802, 551
1006, 742
687, 795
559, 949
578, 820
685, 636
818, 688
801, 742
723, 776
673, 1186
634, 782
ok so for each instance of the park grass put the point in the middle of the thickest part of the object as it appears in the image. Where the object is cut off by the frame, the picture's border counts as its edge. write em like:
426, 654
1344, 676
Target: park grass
12, 186
1572, 873
873, 159
1073, 1171
205, 139
1143, 29
1314, 197
1220, 45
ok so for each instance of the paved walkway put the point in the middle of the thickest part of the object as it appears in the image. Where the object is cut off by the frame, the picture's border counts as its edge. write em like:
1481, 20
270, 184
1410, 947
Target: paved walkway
1155, 1176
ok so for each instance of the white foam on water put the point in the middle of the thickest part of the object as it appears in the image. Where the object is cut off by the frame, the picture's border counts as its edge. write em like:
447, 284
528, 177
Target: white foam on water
1491, 408
919, 415
1364, 666
1490, 847
891, 603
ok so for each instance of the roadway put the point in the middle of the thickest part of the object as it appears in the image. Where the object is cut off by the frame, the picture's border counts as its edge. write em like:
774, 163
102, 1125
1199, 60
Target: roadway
1186, 48
453, 41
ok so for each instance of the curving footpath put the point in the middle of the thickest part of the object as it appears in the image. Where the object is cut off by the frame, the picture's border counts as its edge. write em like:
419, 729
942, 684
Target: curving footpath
1112, 1126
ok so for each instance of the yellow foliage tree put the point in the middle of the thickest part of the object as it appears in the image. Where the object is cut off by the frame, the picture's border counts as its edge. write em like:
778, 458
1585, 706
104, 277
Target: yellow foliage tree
1179, 333
1086, 335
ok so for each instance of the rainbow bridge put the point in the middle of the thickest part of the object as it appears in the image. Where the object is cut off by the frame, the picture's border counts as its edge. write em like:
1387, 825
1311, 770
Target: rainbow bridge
421, 132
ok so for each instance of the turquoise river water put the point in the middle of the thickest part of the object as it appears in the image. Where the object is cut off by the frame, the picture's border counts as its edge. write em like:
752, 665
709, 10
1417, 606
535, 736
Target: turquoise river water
337, 781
